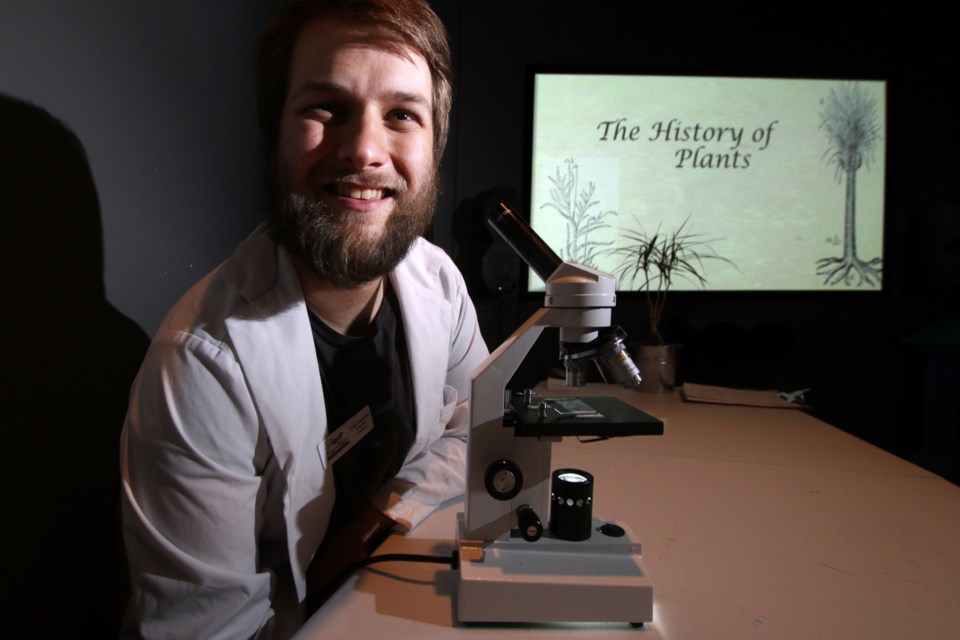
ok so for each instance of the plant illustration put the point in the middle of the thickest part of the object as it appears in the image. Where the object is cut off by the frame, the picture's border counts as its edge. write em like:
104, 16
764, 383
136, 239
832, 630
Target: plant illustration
850, 119
653, 262
576, 206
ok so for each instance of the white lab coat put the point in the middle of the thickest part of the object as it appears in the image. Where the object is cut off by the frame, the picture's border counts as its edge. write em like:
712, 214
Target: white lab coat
229, 390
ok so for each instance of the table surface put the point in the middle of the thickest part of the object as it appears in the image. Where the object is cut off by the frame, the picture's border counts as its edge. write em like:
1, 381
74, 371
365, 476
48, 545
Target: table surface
755, 523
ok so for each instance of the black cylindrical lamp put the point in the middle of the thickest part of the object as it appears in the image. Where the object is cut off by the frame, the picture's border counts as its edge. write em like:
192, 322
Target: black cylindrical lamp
571, 504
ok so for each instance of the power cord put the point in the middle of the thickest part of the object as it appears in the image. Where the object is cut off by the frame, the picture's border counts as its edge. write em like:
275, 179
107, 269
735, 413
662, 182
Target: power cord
453, 560
316, 601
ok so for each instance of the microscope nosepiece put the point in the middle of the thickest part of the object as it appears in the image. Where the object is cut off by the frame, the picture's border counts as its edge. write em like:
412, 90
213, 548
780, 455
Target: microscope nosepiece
610, 355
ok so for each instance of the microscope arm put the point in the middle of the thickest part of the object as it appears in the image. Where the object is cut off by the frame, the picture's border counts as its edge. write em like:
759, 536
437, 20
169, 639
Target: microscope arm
578, 301
487, 517
510, 570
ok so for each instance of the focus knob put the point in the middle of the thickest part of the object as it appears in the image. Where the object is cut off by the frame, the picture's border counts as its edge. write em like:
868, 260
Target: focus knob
529, 523
503, 480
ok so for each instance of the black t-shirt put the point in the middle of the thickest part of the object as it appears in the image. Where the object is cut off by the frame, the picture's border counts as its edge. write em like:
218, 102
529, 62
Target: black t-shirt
373, 371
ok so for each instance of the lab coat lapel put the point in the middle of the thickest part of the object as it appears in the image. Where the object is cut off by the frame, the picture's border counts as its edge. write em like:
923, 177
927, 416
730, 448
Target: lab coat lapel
426, 323
275, 347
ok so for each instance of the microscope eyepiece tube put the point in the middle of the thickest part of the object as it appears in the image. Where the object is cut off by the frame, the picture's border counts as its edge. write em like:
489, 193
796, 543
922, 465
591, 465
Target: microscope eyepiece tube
524, 240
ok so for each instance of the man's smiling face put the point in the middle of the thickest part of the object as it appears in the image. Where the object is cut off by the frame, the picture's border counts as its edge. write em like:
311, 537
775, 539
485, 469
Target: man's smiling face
356, 167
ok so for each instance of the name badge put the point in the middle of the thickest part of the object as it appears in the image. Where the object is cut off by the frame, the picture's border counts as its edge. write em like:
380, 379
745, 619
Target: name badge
343, 439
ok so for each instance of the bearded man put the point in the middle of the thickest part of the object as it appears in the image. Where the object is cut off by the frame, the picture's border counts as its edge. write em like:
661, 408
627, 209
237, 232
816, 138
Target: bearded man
310, 394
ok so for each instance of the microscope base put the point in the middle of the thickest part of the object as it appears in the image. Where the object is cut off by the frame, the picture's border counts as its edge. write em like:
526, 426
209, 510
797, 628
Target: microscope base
551, 580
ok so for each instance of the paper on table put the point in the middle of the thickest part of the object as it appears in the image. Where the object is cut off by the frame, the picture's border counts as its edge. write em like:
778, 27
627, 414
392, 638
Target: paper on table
724, 395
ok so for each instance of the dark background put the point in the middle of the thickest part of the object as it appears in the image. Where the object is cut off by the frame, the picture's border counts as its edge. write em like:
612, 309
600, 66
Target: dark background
881, 366
160, 98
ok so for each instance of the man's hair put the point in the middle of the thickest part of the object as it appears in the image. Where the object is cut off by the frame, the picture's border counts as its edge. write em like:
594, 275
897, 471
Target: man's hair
411, 23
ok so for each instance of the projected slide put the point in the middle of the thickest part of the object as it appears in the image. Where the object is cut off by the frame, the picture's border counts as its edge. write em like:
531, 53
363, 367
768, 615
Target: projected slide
780, 180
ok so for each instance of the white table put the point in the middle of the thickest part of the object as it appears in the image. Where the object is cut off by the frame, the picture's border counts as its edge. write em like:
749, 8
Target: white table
755, 523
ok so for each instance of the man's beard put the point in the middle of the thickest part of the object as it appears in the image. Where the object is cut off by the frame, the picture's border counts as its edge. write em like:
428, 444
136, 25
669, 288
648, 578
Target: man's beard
331, 244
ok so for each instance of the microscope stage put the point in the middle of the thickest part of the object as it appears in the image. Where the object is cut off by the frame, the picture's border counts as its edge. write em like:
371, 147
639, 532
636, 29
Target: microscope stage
570, 416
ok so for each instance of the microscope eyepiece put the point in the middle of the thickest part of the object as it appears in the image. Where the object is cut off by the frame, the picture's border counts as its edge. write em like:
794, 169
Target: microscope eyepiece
607, 349
525, 241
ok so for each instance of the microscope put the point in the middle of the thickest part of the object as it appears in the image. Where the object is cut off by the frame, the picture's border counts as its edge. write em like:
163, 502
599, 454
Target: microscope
579, 568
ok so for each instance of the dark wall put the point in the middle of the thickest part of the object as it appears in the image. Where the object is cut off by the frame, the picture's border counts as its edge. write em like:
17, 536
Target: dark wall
144, 177
850, 351
161, 95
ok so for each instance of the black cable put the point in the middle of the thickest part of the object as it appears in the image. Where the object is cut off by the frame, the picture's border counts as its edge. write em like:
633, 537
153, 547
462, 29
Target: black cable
452, 560
314, 602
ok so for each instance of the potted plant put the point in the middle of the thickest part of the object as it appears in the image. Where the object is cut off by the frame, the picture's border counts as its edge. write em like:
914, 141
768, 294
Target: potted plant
652, 263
